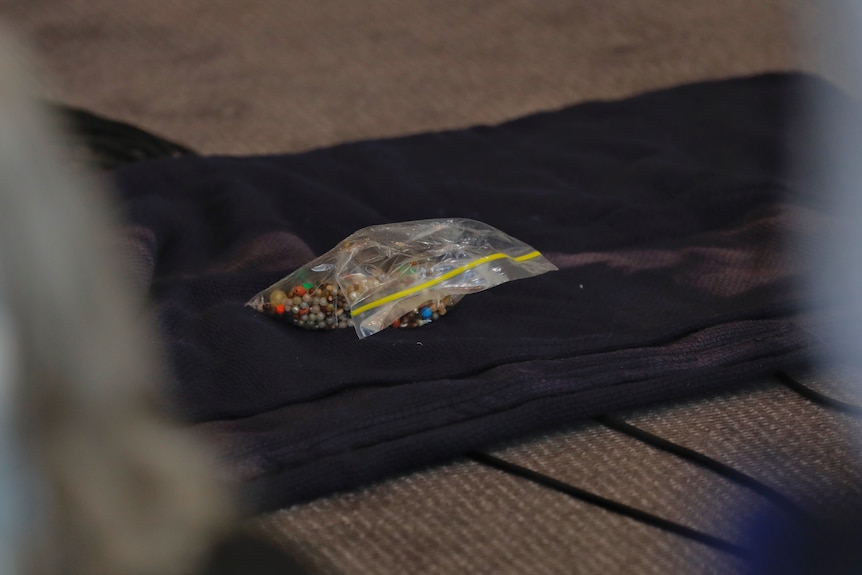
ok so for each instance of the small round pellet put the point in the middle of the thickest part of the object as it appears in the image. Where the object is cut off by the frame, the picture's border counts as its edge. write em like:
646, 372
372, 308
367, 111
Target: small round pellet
277, 297
325, 306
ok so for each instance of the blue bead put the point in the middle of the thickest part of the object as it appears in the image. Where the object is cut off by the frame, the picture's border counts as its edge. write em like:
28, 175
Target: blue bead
426, 312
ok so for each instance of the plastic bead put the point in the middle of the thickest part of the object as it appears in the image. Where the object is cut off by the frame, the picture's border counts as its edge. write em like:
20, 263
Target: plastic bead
277, 297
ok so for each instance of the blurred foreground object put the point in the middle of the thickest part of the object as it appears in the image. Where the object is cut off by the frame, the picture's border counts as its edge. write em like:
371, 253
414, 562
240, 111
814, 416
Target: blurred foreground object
830, 541
114, 486
833, 166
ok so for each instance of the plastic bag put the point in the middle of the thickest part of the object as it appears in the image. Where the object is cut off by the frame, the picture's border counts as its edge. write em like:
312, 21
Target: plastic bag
404, 274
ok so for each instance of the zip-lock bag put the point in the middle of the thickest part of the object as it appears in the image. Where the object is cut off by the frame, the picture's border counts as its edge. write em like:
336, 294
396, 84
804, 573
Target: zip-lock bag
403, 274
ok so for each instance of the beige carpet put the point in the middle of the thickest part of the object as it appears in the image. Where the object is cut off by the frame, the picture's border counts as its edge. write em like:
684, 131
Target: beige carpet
467, 518
271, 76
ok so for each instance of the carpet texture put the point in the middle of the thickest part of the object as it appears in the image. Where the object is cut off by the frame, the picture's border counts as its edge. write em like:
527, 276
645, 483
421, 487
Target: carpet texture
264, 76
464, 517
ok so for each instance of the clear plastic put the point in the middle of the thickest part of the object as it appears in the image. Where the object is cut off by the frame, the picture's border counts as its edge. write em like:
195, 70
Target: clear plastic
404, 274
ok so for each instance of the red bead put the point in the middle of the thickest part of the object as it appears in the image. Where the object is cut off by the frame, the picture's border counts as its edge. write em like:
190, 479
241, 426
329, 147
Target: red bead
279, 309
299, 290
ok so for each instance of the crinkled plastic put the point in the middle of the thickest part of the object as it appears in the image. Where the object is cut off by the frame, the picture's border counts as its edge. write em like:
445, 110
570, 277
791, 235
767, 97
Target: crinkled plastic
404, 274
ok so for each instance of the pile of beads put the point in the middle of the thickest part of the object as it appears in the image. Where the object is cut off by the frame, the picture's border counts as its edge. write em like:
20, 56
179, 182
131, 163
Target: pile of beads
325, 306
425, 313
310, 306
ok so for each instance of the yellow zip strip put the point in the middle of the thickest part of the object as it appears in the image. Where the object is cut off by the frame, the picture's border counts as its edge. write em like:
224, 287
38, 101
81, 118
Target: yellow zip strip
437, 280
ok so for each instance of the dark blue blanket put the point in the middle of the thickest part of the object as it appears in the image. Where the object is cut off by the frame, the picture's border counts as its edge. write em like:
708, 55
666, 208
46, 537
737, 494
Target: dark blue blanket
666, 214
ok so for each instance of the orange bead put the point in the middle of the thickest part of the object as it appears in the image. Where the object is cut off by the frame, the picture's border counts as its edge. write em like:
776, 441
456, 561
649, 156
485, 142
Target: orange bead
279, 309
299, 290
